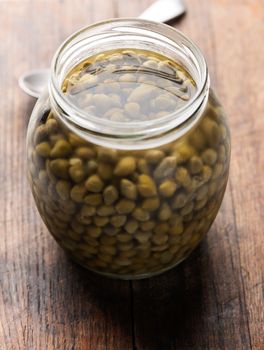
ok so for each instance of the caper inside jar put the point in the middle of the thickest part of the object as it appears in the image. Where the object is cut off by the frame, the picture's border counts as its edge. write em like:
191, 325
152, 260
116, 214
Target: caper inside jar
129, 85
129, 213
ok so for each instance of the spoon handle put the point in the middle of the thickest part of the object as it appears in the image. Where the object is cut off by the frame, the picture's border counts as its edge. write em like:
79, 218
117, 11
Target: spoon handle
164, 10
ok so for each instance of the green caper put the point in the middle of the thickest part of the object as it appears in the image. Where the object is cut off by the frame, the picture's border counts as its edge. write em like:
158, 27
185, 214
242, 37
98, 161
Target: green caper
142, 237
73, 235
54, 138
140, 214
184, 152
93, 231
152, 63
146, 186
132, 108
100, 221
166, 257
116, 116
187, 209
105, 171
105, 210
43, 149
154, 156
222, 153
211, 130
77, 173
59, 168
177, 229
167, 188
118, 220
75, 162
110, 230
124, 237
142, 92
123, 262
43, 178
108, 249
127, 253
68, 207
165, 168
107, 258
63, 189
151, 204
147, 225
107, 155
94, 199
84, 152
61, 149
143, 167
102, 102
94, 184
87, 210
165, 102
217, 171
75, 140
200, 203
131, 226
108, 240
202, 192
51, 126
182, 177
209, 156
197, 140
77, 227
195, 165
159, 238
179, 200
127, 78
78, 192
164, 212
128, 189
41, 134
91, 166
125, 206
125, 166
110, 195
206, 173
112, 113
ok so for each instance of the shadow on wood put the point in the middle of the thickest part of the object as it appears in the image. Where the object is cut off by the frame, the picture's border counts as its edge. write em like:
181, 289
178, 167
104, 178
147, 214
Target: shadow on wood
168, 308
155, 312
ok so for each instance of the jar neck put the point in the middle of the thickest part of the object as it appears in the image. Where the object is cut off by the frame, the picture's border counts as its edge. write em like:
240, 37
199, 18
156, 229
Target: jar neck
138, 34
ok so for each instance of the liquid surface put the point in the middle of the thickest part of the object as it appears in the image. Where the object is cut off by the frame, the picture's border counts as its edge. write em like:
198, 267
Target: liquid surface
129, 85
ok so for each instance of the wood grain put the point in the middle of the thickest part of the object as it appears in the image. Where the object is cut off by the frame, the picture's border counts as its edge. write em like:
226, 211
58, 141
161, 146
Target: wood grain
214, 300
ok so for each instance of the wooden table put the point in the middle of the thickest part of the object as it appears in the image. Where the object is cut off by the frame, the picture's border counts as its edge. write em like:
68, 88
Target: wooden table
212, 301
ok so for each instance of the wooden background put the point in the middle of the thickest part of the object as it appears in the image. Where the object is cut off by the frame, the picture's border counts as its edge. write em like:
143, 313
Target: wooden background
212, 301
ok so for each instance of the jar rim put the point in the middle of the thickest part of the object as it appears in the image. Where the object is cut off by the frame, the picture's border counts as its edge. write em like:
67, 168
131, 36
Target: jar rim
109, 129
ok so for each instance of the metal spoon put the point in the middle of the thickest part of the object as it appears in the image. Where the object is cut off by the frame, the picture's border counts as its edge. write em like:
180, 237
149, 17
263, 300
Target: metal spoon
34, 81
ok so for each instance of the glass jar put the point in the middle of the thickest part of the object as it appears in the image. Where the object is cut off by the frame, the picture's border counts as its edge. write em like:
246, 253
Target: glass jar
128, 200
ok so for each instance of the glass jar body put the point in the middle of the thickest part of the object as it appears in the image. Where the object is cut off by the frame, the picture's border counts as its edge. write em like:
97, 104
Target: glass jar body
128, 213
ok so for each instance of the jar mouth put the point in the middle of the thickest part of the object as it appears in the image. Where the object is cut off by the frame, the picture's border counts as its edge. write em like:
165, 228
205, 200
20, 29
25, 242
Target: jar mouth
127, 33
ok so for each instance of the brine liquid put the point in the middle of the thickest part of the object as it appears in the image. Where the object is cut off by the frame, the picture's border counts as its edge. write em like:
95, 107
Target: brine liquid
129, 85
